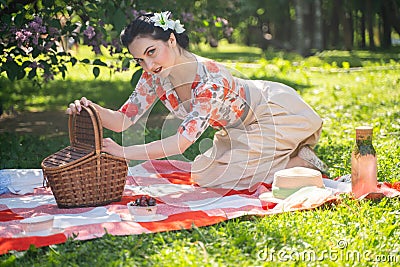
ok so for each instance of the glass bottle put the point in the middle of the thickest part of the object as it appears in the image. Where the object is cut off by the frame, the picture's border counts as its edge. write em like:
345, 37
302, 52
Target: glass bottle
363, 163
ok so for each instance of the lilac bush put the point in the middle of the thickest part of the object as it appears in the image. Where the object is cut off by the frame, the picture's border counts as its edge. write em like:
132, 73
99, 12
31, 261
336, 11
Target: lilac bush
36, 36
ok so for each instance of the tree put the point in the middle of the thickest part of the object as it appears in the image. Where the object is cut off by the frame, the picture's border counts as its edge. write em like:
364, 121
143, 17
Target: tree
370, 24
308, 26
318, 35
391, 19
34, 34
311, 25
300, 8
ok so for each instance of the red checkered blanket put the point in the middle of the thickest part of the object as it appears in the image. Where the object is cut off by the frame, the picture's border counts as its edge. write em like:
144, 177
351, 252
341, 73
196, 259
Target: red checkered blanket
180, 205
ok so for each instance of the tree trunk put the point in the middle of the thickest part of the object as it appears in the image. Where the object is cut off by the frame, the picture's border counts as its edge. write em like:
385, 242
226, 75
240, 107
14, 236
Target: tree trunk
392, 14
299, 22
318, 35
387, 29
370, 23
362, 26
308, 26
345, 20
337, 5
283, 28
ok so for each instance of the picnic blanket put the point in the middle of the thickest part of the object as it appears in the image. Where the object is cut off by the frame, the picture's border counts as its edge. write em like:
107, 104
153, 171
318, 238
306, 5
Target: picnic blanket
181, 204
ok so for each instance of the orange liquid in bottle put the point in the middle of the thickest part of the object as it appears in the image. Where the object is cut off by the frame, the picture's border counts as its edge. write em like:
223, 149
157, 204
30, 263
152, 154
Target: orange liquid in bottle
363, 163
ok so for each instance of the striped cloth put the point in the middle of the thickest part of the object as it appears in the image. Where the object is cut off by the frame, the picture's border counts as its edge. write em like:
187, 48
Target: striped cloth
180, 205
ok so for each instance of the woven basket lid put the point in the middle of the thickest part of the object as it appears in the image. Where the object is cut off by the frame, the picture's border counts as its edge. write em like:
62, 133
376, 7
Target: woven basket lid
85, 129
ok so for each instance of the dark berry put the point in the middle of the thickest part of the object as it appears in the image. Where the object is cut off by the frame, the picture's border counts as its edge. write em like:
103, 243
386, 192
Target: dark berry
143, 203
137, 202
151, 201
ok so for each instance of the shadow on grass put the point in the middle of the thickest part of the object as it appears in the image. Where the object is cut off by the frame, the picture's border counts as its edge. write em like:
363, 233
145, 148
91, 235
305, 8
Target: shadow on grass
360, 57
295, 85
231, 56
28, 151
57, 94
107, 93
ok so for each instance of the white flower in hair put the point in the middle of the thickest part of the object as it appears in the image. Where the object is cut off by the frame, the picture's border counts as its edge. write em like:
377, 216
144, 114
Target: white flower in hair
178, 26
162, 20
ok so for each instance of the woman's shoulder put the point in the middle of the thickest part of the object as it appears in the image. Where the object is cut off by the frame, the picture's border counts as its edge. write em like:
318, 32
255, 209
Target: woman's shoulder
212, 68
206, 61
150, 79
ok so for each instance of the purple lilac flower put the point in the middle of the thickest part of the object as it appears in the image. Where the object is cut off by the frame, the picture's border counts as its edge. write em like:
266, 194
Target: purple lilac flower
54, 31
48, 76
135, 13
94, 40
34, 65
89, 32
116, 44
22, 36
35, 39
37, 25
201, 30
96, 49
187, 17
49, 45
224, 21
228, 31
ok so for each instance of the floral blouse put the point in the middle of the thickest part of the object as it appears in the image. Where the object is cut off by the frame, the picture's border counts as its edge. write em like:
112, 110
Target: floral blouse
217, 99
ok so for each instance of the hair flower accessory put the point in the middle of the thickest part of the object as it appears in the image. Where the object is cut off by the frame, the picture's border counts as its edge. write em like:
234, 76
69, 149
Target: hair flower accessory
162, 20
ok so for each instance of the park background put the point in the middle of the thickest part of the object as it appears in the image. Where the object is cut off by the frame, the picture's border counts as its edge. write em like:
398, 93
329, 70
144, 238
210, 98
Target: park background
342, 56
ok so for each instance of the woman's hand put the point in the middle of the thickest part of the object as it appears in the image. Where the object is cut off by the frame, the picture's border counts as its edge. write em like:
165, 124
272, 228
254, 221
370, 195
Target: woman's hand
76, 106
112, 148
113, 120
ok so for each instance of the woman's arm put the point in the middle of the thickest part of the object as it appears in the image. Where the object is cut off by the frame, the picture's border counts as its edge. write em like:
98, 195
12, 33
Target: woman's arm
173, 145
111, 119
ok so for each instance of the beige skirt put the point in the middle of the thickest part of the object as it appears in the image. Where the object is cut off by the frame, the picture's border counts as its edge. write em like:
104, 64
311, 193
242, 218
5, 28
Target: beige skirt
277, 124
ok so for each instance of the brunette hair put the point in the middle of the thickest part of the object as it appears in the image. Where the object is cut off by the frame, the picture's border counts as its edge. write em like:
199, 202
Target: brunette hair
144, 27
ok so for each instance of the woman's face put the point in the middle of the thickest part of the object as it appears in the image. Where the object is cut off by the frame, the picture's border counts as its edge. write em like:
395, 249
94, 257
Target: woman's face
154, 56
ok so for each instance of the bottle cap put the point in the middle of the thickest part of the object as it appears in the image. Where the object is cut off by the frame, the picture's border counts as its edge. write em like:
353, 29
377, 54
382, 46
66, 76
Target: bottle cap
364, 132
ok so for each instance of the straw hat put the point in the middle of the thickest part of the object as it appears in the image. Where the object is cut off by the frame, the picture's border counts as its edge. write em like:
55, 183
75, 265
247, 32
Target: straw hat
288, 181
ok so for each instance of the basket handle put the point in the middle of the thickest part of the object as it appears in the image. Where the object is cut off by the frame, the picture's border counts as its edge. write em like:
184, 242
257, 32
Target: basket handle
98, 128
70, 129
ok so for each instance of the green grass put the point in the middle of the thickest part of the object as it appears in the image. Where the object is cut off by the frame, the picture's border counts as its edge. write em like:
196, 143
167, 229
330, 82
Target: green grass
365, 90
229, 52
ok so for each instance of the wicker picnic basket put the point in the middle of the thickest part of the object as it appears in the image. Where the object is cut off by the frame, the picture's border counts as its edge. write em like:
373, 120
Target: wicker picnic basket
80, 175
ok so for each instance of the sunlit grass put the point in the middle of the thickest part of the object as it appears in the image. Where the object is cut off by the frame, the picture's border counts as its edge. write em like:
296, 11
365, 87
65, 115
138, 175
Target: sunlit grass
229, 52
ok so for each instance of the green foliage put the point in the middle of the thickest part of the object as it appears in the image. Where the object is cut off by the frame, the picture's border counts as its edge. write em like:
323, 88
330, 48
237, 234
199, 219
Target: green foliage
36, 37
27, 151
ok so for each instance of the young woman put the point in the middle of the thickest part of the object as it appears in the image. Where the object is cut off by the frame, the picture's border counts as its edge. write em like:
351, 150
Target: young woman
264, 126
